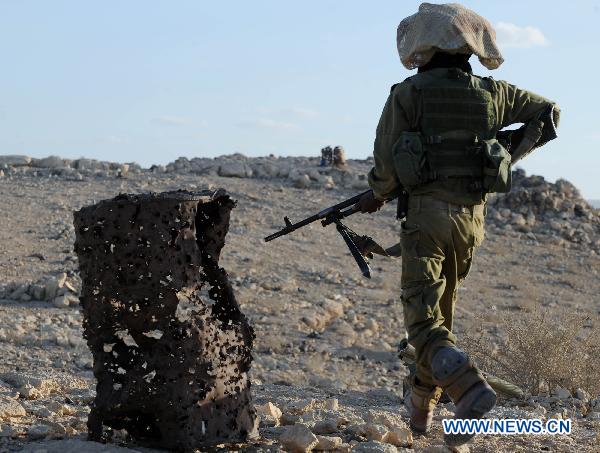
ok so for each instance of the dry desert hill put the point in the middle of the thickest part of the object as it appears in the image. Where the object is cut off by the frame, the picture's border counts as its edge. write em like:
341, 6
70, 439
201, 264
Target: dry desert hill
325, 350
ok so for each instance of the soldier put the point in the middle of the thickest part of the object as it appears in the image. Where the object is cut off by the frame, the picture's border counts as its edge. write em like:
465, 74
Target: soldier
339, 156
326, 156
436, 139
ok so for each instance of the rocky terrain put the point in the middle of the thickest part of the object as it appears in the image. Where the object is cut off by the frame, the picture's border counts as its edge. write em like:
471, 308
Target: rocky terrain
326, 375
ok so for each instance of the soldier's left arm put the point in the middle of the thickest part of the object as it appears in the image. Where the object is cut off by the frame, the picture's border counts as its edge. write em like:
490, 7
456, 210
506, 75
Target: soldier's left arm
521, 106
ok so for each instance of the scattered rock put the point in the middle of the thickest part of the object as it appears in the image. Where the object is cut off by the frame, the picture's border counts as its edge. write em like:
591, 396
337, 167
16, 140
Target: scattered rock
29, 385
8, 392
375, 432
43, 412
301, 406
11, 431
331, 404
289, 419
270, 415
582, 395
53, 284
594, 415
391, 421
327, 426
399, 436
11, 408
542, 208
298, 439
65, 300
328, 443
18, 292
371, 324
561, 393
61, 301
373, 446
333, 308
39, 431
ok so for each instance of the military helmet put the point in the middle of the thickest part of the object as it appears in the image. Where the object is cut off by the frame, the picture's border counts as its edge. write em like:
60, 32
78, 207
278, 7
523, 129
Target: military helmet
449, 28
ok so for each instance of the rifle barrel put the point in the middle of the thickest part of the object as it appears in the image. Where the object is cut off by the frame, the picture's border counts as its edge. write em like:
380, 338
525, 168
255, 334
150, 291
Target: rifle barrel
321, 215
292, 227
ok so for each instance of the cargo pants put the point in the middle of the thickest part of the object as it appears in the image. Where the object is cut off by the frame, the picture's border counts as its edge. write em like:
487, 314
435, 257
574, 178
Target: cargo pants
438, 242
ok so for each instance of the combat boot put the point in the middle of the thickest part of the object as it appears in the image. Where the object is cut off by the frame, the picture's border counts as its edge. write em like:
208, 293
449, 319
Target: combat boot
461, 380
421, 401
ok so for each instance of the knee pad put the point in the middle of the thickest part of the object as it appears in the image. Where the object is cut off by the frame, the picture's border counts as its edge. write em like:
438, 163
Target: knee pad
447, 362
452, 370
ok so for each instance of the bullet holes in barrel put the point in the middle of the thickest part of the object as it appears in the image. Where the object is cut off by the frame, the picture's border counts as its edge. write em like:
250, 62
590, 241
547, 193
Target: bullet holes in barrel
174, 234
149, 305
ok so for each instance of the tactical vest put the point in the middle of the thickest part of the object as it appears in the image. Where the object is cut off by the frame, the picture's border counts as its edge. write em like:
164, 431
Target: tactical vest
455, 136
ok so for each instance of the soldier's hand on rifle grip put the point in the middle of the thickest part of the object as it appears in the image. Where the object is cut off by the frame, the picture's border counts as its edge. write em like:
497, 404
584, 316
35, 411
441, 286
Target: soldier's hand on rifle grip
369, 204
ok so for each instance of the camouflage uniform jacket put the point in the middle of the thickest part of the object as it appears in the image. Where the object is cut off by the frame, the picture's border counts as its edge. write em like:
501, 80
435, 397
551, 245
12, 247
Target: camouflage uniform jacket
402, 112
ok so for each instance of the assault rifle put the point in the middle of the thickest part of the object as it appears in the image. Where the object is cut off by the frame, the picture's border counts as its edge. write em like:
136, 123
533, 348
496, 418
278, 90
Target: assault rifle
361, 247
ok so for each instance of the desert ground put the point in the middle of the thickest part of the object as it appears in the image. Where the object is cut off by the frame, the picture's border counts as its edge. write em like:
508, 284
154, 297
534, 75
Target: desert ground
326, 337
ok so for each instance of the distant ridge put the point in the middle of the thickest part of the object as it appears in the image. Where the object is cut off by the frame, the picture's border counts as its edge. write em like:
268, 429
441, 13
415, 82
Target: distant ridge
595, 203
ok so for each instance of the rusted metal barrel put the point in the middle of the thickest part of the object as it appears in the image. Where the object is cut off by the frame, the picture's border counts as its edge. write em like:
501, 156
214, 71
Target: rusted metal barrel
171, 347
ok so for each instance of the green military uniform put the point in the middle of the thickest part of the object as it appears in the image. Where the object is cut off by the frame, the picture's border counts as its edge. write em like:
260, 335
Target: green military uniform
445, 220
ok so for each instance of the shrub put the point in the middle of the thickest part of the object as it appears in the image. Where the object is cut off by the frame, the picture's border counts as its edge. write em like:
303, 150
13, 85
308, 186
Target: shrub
540, 350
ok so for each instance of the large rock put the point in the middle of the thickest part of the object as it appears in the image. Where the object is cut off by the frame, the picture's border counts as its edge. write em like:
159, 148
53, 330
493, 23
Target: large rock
50, 162
53, 285
15, 160
10, 408
298, 439
328, 443
39, 431
300, 181
327, 426
265, 170
375, 432
270, 415
89, 164
400, 436
235, 169
65, 300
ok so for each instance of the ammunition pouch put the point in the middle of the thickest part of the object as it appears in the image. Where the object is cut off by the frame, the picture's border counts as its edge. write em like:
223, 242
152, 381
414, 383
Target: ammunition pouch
497, 170
409, 159
419, 160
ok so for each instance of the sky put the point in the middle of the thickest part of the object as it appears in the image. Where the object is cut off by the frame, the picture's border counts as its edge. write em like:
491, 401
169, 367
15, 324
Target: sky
151, 80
